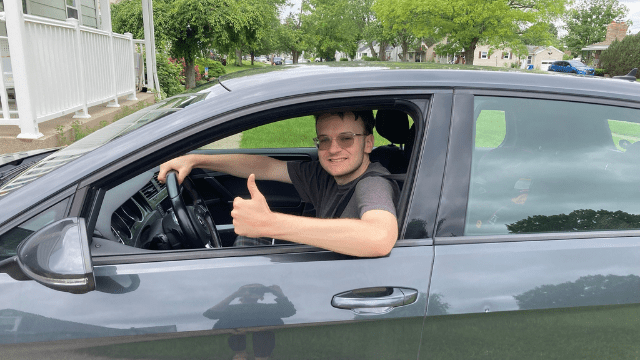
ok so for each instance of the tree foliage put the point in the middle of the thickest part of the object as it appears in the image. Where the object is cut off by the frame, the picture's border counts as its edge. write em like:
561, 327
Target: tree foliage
622, 56
467, 23
291, 38
587, 22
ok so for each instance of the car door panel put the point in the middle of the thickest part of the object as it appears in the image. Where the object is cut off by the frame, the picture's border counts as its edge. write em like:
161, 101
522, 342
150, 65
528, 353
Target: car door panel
565, 299
173, 298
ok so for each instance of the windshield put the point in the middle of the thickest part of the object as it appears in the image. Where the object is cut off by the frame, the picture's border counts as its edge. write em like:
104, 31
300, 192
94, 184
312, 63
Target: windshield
99, 138
577, 64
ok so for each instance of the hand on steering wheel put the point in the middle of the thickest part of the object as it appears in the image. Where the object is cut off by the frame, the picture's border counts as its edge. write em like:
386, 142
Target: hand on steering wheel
195, 221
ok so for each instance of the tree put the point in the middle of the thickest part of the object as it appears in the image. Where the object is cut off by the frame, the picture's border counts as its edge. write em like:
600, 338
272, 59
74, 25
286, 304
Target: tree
291, 38
126, 16
331, 26
467, 23
622, 56
587, 22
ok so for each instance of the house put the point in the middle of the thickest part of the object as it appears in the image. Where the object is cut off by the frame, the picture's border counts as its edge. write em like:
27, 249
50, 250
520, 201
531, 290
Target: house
615, 31
541, 57
61, 57
486, 56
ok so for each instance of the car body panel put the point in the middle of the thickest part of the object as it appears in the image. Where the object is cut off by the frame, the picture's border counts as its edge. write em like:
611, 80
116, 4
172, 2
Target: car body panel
571, 66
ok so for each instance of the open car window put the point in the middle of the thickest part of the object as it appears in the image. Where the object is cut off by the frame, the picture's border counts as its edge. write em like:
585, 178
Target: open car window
137, 215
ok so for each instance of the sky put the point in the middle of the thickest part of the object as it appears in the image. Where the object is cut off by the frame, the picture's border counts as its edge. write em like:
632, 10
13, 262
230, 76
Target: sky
633, 5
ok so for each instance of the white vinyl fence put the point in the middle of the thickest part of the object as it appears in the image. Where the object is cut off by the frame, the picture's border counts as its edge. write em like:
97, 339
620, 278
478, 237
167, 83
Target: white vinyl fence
70, 68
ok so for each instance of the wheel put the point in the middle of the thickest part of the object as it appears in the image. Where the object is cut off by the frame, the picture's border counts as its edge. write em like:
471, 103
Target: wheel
195, 220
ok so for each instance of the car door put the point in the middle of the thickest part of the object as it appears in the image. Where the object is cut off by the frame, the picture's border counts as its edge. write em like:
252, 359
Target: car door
286, 301
537, 255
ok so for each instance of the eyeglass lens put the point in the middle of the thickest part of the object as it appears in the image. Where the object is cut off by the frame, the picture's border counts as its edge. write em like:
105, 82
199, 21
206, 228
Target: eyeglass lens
344, 141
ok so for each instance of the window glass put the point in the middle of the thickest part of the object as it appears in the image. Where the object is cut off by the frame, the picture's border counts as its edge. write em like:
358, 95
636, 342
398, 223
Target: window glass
10, 240
554, 167
290, 133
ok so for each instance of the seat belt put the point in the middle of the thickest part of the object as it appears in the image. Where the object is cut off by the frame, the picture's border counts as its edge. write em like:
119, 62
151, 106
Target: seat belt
346, 197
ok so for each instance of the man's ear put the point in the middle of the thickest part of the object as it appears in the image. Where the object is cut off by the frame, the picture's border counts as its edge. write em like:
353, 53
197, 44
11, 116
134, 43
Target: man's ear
369, 140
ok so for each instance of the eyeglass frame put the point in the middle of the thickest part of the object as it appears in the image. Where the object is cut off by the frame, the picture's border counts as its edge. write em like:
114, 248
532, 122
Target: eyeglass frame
316, 140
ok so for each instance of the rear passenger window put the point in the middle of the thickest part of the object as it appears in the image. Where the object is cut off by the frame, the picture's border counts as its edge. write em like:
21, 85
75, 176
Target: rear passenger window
553, 166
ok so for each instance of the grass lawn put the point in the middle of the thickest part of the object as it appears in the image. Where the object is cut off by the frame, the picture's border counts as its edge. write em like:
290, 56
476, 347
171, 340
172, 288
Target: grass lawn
296, 132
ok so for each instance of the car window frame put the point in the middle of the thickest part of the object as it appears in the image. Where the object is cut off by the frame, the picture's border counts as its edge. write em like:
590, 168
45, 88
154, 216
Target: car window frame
455, 195
219, 127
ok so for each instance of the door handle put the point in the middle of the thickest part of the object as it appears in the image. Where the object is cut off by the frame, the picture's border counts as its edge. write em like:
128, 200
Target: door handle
378, 297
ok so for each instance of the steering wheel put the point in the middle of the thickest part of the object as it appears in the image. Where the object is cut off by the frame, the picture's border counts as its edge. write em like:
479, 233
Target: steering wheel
194, 220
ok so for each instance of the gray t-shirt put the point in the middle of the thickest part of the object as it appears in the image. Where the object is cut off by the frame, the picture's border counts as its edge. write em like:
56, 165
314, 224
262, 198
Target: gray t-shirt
318, 187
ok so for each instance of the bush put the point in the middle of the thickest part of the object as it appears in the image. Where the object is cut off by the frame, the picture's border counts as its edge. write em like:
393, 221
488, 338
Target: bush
600, 72
344, 59
169, 75
622, 56
370, 58
215, 67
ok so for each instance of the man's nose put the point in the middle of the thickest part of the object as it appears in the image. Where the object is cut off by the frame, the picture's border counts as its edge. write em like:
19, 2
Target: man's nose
334, 148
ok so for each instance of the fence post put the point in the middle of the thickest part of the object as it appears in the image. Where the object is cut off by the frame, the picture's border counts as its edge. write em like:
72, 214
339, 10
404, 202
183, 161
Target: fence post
114, 102
16, 32
3, 95
132, 96
84, 112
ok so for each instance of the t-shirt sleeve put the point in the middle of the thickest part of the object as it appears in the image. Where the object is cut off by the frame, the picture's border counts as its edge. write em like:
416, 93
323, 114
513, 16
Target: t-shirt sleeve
375, 193
305, 176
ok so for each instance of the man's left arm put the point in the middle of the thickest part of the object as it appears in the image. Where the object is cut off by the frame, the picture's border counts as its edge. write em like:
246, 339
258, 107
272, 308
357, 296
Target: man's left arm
374, 234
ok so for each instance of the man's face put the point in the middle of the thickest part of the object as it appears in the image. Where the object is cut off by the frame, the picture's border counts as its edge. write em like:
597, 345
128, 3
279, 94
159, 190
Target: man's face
348, 163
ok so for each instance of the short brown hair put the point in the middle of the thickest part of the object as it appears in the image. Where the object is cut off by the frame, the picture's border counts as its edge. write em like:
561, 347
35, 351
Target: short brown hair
365, 115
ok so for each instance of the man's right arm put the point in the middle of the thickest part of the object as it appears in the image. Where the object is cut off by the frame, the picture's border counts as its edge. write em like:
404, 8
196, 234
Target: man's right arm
240, 165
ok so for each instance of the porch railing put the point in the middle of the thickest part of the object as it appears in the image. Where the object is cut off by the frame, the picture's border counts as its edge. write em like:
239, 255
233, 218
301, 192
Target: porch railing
69, 68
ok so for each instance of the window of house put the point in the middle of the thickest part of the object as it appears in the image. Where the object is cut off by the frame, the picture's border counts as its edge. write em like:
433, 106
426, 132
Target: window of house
484, 55
506, 55
555, 166
529, 59
72, 9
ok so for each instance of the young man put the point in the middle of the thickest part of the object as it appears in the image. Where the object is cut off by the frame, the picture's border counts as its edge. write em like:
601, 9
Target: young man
367, 225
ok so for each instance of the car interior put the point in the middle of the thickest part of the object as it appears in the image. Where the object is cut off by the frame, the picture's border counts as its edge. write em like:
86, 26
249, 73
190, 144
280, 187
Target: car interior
143, 215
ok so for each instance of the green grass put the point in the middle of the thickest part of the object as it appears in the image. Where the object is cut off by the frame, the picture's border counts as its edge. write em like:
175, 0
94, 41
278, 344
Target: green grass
490, 128
296, 132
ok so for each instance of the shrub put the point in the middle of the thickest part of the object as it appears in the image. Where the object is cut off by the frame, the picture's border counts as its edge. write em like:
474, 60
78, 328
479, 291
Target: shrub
600, 72
370, 58
344, 59
622, 56
215, 67
169, 75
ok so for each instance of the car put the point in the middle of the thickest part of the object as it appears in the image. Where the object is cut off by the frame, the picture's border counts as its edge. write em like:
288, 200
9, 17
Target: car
519, 227
571, 66
277, 60
263, 59
288, 62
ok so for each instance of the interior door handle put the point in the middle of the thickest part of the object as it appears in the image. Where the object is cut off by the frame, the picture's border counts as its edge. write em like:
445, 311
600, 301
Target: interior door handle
378, 297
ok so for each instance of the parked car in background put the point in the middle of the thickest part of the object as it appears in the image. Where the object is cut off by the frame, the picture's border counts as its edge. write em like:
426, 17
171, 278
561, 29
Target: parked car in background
519, 227
288, 62
263, 59
277, 60
571, 66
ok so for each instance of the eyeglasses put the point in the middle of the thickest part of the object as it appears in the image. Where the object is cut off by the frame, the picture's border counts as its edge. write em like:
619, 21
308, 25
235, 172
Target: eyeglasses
345, 140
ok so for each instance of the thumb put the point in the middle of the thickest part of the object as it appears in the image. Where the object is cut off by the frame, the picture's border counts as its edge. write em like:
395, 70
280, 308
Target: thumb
253, 188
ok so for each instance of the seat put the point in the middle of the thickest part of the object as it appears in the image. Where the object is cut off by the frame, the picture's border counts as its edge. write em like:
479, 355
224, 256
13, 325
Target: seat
393, 125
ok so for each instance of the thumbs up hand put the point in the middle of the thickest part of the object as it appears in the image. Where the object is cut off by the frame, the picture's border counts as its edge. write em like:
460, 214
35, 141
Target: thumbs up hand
252, 217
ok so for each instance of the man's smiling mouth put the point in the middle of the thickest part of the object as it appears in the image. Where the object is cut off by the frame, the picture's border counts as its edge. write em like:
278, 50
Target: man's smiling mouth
337, 160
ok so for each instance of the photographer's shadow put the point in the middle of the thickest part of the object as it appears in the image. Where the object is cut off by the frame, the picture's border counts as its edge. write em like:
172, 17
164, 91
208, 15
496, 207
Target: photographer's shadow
248, 307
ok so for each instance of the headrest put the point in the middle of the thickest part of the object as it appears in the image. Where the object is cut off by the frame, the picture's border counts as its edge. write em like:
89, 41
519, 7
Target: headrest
393, 125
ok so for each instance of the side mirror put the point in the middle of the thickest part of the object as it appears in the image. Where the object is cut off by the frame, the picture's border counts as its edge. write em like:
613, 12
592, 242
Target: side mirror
57, 256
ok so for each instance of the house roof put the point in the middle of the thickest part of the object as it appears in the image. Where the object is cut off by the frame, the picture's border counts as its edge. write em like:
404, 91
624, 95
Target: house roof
536, 49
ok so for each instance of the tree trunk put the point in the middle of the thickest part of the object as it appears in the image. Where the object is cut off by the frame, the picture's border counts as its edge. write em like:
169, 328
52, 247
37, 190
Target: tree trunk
238, 57
383, 51
470, 52
252, 58
373, 50
295, 55
405, 51
190, 74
